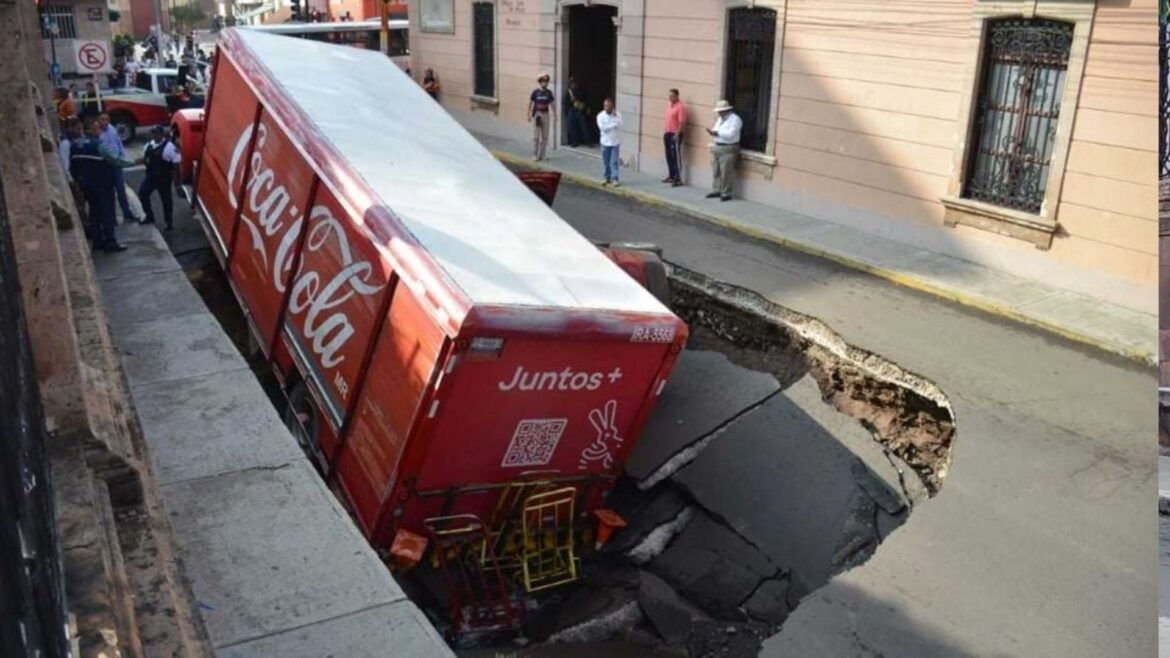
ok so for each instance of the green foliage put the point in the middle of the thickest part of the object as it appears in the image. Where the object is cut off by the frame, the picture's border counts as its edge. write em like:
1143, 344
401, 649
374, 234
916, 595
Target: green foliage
115, 15
188, 16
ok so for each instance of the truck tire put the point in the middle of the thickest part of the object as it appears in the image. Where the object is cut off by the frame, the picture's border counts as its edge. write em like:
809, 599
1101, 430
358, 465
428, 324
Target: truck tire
300, 417
125, 124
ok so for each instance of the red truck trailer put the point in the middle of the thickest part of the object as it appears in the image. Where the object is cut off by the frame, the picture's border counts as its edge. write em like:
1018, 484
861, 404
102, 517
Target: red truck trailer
443, 336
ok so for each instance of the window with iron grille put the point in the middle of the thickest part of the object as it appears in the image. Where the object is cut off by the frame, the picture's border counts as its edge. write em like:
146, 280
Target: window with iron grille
1025, 62
1164, 90
63, 16
747, 80
484, 28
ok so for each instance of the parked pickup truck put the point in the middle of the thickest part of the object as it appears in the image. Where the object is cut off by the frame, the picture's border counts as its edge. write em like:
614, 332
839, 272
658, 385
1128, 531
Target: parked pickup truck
150, 102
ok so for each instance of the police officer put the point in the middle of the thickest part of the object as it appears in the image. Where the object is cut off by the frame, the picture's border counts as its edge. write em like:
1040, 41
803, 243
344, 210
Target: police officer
161, 159
92, 164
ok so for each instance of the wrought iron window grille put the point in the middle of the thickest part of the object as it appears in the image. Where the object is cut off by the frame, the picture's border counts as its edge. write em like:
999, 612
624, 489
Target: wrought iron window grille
1025, 65
751, 44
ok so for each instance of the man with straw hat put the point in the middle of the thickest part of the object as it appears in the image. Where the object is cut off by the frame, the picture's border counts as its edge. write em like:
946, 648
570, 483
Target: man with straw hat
539, 104
725, 150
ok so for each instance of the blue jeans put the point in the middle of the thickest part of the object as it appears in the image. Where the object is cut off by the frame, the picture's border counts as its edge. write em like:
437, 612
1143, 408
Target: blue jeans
609, 160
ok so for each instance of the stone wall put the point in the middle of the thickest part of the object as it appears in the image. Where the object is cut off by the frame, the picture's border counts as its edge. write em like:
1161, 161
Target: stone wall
126, 591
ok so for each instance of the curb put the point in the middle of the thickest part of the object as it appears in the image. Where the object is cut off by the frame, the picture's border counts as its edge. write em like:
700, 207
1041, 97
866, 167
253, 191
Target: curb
1142, 356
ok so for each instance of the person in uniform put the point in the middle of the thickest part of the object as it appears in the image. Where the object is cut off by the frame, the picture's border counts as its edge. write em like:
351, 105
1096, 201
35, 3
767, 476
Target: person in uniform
161, 158
92, 165
540, 101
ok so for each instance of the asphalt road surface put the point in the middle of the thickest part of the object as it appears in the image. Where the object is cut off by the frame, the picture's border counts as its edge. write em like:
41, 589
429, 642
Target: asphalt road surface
1043, 540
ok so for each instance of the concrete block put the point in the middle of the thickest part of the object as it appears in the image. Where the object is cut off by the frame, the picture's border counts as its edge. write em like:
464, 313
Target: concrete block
704, 392
769, 602
671, 614
129, 300
713, 566
397, 629
175, 348
234, 427
269, 550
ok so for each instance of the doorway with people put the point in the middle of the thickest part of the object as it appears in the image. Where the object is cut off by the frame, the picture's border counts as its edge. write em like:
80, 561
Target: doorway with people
591, 68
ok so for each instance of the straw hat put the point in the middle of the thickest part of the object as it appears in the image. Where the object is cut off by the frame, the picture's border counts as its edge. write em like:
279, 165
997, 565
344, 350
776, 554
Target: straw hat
722, 106
543, 76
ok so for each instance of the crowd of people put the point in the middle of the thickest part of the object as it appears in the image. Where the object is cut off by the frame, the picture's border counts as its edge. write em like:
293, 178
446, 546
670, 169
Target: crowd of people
607, 126
94, 159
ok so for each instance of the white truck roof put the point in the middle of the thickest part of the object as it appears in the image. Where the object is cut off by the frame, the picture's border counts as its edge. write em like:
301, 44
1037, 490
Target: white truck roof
498, 242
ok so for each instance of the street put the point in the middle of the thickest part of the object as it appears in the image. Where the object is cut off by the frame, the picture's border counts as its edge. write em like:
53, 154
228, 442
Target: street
1041, 541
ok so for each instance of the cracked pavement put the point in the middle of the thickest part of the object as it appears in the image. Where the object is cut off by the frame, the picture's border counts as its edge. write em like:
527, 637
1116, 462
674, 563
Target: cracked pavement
1015, 556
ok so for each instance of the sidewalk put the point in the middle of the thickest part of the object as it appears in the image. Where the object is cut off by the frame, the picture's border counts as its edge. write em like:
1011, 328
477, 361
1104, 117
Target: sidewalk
1074, 316
275, 563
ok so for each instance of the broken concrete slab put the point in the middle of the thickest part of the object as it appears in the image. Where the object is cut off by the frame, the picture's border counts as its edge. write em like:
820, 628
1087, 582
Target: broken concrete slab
670, 614
176, 348
170, 295
796, 466
712, 566
769, 603
269, 550
645, 512
704, 392
234, 427
398, 629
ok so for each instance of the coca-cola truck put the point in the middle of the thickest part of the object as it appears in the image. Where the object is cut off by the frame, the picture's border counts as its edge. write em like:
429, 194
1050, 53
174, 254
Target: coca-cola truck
439, 331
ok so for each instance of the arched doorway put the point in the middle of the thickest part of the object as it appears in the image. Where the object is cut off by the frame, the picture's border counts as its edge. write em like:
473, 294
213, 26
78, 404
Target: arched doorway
591, 61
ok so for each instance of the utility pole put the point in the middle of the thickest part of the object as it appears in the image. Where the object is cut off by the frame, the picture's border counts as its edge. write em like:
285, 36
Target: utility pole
158, 29
385, 40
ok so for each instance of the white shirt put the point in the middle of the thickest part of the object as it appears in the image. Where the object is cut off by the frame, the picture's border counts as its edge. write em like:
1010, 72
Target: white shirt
609, 124
727, 129
64, 150
169, 154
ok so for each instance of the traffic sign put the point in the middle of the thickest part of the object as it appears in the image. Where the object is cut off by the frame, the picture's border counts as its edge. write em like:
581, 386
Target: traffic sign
92, 56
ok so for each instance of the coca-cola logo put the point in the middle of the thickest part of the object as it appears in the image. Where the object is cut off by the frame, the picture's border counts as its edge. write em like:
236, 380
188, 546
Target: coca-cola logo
271, 215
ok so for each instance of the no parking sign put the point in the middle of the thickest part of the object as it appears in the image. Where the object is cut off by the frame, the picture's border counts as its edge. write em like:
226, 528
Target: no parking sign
92, 57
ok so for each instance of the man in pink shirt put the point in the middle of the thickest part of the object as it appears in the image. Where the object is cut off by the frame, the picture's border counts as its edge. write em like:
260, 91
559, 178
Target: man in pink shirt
676, 120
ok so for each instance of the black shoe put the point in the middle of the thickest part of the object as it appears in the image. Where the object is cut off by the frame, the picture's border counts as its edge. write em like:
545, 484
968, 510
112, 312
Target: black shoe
146, 220
712, 195
677, 183
114, 247
725, 198
170, 227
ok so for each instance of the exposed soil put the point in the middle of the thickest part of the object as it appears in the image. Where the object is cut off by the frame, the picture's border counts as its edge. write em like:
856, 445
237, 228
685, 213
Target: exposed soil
909, 415
602, 613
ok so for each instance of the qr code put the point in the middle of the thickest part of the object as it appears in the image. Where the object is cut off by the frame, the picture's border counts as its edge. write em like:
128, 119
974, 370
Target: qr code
534, 442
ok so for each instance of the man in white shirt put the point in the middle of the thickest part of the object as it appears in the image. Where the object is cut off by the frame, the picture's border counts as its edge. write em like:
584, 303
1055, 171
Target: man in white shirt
161, 158
609, 122
724, 151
